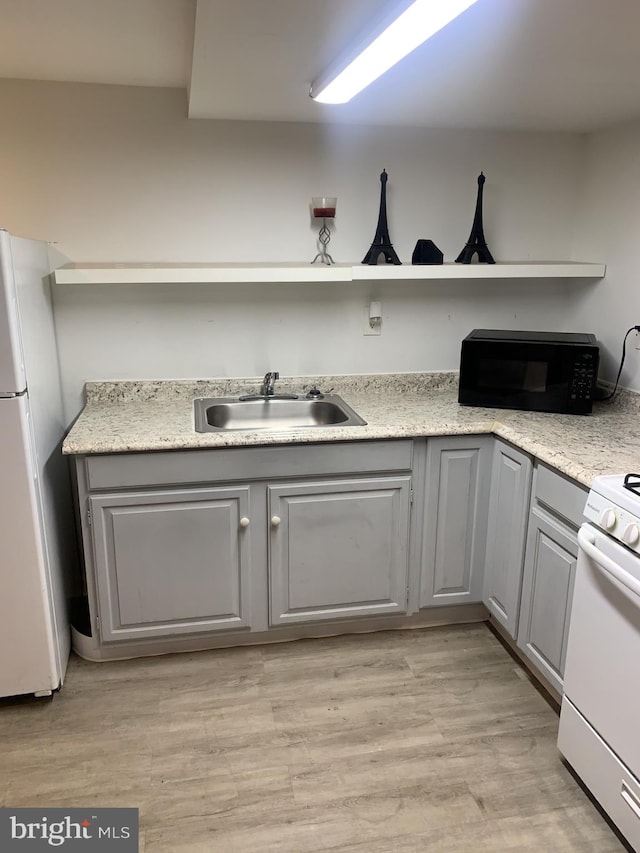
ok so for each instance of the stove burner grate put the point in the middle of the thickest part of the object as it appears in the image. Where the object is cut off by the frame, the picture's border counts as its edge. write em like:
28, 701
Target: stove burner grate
632, 482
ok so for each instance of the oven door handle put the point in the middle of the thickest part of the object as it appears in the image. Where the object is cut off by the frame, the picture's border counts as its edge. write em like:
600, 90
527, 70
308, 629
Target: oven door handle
586, 541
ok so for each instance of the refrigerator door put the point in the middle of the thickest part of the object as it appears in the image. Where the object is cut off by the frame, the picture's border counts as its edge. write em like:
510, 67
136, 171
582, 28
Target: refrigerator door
30, 660
12, 371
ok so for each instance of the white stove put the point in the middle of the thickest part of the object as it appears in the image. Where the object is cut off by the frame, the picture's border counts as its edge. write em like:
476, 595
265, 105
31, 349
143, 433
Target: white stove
613, 505
600, 717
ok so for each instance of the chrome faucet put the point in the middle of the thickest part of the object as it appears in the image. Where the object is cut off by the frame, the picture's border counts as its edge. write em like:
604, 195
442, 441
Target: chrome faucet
269, 384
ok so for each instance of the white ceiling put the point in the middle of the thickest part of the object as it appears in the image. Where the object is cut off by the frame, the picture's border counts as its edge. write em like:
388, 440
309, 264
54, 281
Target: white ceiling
518, 64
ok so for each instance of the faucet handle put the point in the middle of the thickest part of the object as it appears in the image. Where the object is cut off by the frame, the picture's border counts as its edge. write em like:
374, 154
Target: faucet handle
314, 393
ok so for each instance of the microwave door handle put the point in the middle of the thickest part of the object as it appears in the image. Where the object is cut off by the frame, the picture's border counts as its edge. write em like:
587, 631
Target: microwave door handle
586, 541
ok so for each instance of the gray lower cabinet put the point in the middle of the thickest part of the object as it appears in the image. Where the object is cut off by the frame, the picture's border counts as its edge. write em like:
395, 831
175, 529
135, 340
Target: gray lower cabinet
455, 519
549, 572
237, 540
256, 539
508, 512
171, 562
338, 549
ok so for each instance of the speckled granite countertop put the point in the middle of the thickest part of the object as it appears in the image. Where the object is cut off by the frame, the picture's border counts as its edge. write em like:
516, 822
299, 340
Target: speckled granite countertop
131, 417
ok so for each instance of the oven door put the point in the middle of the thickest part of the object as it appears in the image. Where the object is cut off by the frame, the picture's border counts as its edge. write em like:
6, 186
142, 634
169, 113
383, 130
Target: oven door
601, 673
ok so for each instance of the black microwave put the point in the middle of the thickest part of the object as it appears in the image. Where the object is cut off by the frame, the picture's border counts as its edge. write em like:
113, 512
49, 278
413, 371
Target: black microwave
534, 371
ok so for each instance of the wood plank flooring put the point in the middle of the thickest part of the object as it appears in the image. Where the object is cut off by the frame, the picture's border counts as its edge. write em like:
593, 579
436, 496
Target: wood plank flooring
395, 742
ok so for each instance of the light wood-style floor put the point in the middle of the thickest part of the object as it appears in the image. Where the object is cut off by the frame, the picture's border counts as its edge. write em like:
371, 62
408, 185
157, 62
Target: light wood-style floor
397, 742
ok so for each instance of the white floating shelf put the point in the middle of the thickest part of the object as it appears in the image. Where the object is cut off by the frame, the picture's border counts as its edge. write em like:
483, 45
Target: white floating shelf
196, 273
199, 273
536, 269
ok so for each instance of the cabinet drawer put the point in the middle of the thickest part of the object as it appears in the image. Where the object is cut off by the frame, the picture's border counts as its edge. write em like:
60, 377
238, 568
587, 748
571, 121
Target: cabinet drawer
609, 780
116, 471
562, 496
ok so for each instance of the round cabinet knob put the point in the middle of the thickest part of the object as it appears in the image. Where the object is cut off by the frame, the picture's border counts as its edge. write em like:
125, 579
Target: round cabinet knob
244, 521
275, 520
631, 534
608, 519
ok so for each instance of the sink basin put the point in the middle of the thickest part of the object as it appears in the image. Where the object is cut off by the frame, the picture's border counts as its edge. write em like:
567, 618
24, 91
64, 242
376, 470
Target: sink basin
274, 413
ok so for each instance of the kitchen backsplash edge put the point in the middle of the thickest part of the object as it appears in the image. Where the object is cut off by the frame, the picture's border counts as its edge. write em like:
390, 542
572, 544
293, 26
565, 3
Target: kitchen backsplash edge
158, 390
128, 391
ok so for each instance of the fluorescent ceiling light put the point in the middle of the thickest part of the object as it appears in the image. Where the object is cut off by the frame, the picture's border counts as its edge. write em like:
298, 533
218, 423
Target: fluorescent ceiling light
414, 26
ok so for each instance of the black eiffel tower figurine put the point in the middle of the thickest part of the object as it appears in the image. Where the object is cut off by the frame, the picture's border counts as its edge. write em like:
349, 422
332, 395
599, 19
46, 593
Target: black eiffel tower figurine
382, 242
476, 244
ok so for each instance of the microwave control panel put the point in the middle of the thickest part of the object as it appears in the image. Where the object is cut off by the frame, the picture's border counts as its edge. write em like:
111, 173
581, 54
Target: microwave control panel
583, 379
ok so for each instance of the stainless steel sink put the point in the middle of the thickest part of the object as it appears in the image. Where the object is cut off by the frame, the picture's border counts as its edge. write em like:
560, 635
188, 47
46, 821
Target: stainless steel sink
274, 413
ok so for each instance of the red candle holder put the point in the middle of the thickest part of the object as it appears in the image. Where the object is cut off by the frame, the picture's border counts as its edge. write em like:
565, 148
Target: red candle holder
323, 207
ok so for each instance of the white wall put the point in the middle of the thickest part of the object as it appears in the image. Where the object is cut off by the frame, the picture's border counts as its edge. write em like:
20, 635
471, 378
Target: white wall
112, 332
608, 230
119, 174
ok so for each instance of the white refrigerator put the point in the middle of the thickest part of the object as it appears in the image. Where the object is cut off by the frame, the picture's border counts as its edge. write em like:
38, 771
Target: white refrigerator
37, 549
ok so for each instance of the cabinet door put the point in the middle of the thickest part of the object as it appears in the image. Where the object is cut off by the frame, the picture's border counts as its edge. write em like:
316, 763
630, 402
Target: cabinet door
547, 590
173, 562
338, 549
455, 519
508, 514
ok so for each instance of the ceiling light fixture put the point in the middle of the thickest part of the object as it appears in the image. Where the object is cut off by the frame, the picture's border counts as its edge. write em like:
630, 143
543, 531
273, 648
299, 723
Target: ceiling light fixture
383, 49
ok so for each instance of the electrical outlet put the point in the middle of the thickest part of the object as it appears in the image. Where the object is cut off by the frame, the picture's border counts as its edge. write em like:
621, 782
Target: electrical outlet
376, 329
